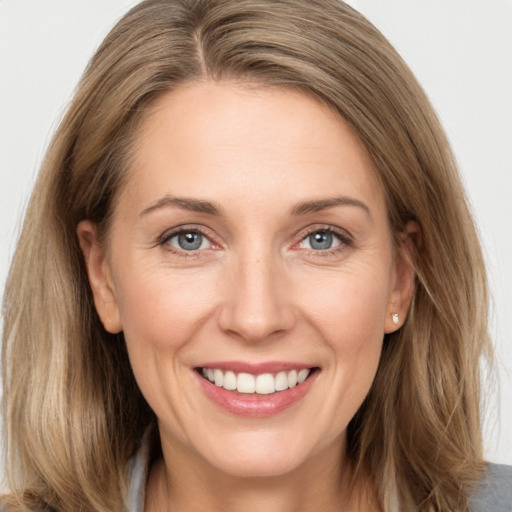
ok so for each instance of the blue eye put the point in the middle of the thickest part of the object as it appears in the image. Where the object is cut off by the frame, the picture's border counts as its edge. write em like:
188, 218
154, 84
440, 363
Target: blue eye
320, 241
189, 241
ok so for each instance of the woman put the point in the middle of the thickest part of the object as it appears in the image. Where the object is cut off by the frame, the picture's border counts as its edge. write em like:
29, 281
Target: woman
248, 278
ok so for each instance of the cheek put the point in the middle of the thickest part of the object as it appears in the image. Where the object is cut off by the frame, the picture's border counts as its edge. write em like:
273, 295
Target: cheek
350, 318
350, 307
160, 308
161, 312
349, 314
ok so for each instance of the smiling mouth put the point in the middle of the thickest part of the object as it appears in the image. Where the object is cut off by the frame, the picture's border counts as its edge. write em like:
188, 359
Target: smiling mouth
260, 384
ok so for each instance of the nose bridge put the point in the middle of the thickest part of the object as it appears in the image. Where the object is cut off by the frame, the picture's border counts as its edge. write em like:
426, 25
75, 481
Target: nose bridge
257, 303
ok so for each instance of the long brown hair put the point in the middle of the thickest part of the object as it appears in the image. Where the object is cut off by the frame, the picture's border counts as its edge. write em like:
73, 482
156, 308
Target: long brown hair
73, 413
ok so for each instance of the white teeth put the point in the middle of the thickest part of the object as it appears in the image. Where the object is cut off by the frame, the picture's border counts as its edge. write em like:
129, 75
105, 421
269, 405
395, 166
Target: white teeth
302, 376
245, 383
219, 377
263, 384
229, 381
292, 378
281, 381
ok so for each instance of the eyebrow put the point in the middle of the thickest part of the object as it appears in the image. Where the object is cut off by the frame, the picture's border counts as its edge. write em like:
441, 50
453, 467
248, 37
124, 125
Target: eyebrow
210, 208
317, 205
185, 203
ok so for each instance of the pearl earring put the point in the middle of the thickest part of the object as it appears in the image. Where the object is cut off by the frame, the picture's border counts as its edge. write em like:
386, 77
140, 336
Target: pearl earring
395, 318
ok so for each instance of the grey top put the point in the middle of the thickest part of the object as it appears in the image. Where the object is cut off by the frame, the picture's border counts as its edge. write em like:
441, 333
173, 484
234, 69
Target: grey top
139, 476
494, 494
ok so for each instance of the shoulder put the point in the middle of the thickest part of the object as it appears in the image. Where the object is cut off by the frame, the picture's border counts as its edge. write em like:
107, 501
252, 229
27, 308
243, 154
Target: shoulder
494, 494
138, 470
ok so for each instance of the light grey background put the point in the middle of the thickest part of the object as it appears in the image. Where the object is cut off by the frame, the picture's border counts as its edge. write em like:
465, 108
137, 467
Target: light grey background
461, 51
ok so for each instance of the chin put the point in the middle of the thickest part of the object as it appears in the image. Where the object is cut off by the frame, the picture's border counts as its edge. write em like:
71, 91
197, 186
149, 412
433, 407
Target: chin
257, 466
259, 455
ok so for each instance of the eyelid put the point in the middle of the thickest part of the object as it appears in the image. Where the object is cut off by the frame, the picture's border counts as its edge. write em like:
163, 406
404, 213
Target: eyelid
342, 234
164, 238
345, 238
174, 241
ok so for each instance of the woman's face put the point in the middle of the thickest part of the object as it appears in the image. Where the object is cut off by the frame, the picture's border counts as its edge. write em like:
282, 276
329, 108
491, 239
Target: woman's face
251, 247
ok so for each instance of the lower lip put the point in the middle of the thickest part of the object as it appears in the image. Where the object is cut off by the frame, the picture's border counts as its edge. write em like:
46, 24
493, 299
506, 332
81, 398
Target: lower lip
254, 405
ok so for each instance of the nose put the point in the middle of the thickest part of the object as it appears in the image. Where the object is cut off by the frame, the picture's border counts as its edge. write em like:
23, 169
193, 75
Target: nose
257, 304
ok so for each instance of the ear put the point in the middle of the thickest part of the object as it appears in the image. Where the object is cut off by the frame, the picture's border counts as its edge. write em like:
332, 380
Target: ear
100, 277
403, 289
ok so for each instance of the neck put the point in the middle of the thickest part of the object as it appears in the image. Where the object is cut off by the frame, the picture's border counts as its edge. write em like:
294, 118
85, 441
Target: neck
181, 482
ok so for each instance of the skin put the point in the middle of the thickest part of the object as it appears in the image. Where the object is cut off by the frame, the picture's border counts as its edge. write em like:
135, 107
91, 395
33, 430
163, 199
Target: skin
255, 291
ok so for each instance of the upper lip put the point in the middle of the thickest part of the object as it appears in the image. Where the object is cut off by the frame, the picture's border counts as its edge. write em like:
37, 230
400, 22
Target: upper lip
255, 368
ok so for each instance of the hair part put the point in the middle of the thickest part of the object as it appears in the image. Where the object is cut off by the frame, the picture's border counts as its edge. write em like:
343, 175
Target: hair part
72, 410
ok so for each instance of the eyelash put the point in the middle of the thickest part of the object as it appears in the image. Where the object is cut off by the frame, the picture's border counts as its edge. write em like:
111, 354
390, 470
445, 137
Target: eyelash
345, 239
167, 236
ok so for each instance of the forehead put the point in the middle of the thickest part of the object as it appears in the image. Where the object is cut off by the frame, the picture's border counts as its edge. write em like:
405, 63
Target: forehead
228, 140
